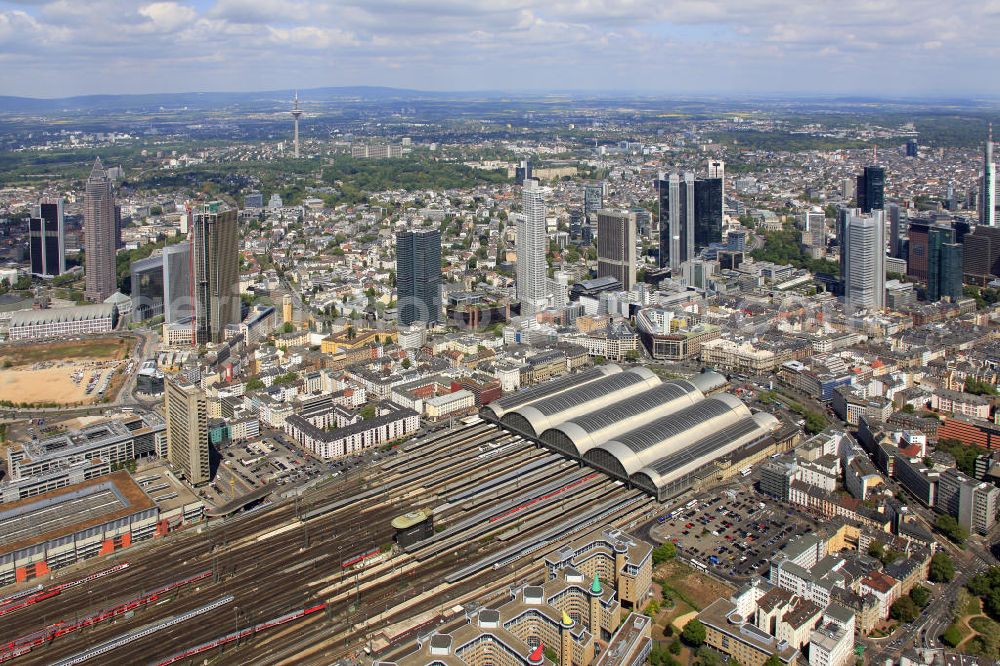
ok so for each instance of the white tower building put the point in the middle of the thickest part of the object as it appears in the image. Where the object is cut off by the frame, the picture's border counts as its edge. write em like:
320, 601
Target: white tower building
532, 282
864, 261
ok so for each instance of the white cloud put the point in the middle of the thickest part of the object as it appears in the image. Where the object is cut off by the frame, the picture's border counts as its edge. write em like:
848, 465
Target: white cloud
167, 16
756, 44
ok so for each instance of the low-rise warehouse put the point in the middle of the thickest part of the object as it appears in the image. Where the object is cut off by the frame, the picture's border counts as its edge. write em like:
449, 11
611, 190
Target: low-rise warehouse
657, 436
83, 520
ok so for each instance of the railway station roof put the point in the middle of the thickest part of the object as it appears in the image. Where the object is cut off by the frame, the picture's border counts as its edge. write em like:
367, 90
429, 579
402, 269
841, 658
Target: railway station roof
533, 419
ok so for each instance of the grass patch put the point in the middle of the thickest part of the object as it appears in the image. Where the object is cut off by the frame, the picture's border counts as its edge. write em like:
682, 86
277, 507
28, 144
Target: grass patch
108, 349
983, 625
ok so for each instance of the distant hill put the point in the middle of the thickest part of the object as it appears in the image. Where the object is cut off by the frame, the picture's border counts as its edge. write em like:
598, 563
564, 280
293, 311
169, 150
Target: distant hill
203, 100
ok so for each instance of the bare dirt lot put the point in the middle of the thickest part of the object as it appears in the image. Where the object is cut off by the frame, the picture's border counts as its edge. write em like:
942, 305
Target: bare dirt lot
60, 373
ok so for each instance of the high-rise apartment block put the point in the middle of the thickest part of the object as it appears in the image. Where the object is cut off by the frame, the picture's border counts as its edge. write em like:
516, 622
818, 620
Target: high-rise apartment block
418, 276
100, 241
864, 261
531, 278
616, 239
187, 430
215, 260
47, 238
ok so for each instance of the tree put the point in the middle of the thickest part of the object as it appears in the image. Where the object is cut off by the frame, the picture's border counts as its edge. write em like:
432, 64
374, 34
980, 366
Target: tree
942, 569
707, 656
921, 595
693, 633
904, 609
773, 660
368, 412
662, 553
406, 364
952, 636
254, 384
288, 327
949, 527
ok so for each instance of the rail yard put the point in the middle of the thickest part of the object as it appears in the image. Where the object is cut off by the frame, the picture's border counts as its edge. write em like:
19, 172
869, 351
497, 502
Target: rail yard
314, 580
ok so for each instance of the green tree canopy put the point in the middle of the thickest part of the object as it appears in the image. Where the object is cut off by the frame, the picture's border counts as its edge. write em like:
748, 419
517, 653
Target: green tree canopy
694, 633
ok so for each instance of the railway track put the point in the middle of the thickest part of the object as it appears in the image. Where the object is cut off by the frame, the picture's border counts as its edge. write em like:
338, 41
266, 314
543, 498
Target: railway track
289, 556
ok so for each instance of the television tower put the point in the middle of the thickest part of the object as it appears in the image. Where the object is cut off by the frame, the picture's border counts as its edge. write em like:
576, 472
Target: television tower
296, 114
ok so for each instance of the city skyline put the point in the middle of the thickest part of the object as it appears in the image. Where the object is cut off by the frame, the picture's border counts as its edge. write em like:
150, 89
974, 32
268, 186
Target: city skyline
773, 46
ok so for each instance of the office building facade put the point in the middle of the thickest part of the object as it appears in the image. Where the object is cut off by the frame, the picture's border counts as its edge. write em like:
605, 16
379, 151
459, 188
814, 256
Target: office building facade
616, 238
187, 430
531, 278
690, 216
981, 255
944, 264
871, 189
100, 241
418, 276
864, 261
593, 198
987, 185
215, 274
47, 238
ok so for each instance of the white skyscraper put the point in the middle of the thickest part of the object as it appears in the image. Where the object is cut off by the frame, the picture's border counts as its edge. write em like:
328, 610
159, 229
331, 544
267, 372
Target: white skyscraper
864, 261
987, 186
532, 282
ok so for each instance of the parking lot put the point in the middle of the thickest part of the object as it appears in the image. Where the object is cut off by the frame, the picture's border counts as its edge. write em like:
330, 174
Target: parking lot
274, 458
732, 533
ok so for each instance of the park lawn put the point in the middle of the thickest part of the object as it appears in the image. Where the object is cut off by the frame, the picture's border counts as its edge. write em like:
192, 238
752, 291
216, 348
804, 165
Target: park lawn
111, 348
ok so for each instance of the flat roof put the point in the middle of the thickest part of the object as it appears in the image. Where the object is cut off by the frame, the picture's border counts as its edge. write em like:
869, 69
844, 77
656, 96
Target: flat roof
68, 510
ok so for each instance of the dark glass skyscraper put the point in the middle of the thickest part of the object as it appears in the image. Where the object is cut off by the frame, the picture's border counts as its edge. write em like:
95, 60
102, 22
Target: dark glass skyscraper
690, 216
871, 189
215, 248
418, 275
944, 264
707, 212
47, 238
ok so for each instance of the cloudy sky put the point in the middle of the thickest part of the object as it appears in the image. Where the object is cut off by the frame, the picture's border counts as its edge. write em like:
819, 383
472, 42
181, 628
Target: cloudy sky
55, 48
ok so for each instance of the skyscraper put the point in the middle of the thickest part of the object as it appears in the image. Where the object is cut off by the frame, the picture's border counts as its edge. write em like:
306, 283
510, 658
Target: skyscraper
161, 285
864, 249
593, 198
944, 264
532, 282
215, 248
100, 241
896, 219
707, 212
418, 276
981, 255
717, 169
178, 295
871, 189
987, 185
616, 237
47, 238
912, 149
690, 216
187, 430
522, 173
